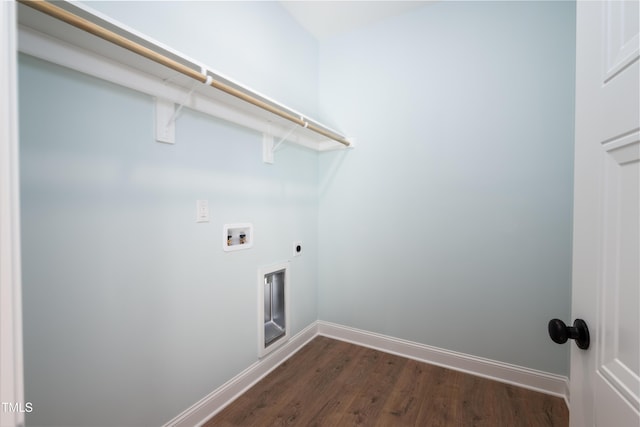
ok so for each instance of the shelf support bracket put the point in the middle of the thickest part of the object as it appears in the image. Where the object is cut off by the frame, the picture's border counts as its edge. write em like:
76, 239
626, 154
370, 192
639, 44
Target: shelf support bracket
166, 115
165, 121
268, 147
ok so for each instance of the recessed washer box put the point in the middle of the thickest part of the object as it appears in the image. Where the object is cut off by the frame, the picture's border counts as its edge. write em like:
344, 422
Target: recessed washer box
237, 236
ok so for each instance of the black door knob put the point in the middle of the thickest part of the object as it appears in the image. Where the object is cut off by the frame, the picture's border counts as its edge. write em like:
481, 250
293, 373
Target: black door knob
560, 333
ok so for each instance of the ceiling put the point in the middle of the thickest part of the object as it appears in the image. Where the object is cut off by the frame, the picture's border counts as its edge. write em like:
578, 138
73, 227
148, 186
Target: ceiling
325, 18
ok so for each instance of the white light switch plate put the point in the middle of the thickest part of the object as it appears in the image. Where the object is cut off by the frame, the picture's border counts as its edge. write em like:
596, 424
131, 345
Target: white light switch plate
202, 211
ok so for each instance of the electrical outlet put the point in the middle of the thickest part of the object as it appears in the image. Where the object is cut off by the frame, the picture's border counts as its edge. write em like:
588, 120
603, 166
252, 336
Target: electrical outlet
202, 211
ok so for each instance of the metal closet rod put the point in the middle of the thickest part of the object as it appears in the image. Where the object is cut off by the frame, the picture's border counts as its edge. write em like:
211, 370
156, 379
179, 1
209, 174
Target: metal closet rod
110, 36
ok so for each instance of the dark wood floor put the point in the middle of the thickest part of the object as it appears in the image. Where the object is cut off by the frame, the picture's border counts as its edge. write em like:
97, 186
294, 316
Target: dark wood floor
333, 383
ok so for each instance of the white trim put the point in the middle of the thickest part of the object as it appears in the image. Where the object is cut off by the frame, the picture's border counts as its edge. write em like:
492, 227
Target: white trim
201, 412
555, 385
217, 400
11, 366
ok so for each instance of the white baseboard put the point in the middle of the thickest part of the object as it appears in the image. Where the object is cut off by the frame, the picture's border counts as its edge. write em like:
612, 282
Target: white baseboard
531, 379
199, 413
218, 399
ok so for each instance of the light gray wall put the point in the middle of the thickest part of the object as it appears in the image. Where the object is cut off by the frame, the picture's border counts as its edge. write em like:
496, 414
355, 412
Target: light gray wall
450, 223
132, 311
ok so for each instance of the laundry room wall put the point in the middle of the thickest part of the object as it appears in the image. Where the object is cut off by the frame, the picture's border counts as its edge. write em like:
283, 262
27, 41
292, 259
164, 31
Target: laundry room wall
132, 310
449, 224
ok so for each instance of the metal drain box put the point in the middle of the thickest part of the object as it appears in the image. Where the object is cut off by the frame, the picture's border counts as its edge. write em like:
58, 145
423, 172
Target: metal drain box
273, 307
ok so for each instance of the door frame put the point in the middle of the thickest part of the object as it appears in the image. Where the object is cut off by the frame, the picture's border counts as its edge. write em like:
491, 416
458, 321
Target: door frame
11, 357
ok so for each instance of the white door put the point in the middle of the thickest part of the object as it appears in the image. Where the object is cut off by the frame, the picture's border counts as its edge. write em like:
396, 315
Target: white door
605, 379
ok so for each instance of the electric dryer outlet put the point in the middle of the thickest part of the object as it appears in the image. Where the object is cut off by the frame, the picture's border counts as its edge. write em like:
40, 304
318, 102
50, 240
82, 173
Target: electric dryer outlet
297, 248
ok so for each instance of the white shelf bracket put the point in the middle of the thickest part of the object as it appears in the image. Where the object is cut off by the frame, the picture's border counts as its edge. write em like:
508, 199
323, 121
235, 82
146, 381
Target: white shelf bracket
165, 121
166, 115
268, 147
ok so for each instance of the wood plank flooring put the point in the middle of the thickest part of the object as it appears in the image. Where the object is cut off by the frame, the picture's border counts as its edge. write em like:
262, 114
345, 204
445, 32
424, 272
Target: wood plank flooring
333, 383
